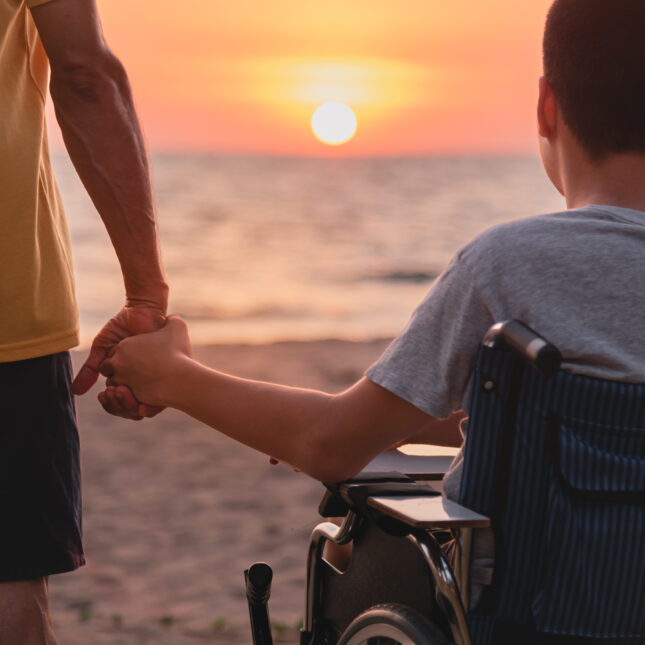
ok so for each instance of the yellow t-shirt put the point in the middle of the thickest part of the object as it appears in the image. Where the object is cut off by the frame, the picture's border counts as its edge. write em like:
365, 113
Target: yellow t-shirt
38, 313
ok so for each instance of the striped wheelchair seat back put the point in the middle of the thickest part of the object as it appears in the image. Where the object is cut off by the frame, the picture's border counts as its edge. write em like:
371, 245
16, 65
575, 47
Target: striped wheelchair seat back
559, 466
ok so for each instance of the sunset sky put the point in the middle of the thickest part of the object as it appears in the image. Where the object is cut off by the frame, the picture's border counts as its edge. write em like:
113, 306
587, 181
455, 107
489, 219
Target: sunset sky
422, 76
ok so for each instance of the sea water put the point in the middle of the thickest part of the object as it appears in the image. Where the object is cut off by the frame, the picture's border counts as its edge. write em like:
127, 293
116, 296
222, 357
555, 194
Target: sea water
268, 249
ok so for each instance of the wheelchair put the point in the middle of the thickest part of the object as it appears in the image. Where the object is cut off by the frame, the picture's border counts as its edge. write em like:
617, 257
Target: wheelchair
554, 465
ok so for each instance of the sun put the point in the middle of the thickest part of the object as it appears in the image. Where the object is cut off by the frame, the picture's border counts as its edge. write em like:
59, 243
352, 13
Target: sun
333, 123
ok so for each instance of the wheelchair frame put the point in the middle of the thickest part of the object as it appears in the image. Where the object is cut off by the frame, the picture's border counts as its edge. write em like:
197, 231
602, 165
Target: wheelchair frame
431, 513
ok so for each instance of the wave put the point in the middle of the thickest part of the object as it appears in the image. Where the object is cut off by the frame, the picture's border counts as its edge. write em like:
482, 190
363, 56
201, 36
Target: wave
214, 314
415, 277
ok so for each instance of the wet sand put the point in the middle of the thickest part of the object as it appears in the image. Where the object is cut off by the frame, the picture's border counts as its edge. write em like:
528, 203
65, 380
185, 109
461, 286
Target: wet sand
174, 512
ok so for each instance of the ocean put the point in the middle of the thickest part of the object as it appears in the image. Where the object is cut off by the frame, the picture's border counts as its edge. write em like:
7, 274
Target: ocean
267, 249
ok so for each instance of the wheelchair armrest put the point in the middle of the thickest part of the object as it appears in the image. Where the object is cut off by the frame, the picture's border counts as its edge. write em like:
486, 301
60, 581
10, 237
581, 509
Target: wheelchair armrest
335, 502
392, 495
428, 512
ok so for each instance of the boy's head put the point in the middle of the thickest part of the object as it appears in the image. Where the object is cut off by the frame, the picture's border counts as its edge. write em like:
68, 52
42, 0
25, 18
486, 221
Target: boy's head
594, 60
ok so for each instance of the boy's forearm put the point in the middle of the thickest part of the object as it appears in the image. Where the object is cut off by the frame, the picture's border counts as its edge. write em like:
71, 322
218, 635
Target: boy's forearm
101, 132
441, 432
328, 436
294, 425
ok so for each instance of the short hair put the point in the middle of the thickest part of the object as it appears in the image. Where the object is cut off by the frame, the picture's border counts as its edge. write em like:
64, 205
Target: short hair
594, 59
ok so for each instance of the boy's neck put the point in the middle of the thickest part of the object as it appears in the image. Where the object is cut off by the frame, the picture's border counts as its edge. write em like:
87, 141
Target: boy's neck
618, 180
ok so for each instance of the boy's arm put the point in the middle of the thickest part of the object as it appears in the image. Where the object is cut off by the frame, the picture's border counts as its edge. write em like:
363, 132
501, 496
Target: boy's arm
440, 432
330, 437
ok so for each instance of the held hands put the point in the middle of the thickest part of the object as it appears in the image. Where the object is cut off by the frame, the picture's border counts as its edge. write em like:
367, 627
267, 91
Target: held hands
148, 363
131, 320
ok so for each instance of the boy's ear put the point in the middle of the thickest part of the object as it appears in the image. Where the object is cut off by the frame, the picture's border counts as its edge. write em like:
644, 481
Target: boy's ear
546, 110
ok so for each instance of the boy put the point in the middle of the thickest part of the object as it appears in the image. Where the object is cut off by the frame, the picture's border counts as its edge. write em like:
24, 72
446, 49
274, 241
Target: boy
575, 276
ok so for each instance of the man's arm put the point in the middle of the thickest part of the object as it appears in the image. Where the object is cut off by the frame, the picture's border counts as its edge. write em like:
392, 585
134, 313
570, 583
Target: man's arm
96, 113
330, 437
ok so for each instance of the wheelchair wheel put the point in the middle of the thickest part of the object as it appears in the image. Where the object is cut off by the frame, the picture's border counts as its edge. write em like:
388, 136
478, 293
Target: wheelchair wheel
391, 624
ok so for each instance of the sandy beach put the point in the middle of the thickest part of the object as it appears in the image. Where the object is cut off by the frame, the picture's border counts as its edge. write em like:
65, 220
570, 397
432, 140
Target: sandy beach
174, 512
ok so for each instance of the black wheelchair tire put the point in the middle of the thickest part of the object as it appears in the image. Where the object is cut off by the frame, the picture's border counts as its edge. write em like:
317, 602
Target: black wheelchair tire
392, 623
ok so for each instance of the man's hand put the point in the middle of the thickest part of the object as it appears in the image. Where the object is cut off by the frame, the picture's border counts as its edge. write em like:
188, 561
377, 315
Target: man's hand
150, 365
130, 321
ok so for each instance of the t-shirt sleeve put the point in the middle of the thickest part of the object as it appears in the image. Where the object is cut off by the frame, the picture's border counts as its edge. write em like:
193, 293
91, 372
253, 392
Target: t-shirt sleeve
35, 3
431, 362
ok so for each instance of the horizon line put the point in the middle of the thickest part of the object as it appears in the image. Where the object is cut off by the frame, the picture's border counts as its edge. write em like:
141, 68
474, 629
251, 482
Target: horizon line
224, 154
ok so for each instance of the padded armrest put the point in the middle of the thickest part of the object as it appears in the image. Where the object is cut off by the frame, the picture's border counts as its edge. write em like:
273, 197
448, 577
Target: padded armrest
429, 512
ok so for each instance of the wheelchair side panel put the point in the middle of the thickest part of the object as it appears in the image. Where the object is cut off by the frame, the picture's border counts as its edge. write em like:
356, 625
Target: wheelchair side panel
383, 569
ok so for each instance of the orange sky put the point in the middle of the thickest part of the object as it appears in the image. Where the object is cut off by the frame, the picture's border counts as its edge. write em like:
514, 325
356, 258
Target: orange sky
423, 76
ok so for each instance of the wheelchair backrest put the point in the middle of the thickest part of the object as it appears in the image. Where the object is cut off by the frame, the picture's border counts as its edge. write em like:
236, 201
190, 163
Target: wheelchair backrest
558, 464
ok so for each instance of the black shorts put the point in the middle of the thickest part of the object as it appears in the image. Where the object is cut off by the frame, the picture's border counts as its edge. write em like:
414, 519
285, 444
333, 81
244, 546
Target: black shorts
40, 479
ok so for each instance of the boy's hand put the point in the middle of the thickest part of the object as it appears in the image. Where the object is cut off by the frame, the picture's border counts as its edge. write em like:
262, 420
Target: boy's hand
128, 322
131, 320
147, 363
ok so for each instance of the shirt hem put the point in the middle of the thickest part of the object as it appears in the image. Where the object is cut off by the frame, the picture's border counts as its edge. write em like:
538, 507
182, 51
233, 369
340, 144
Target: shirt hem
36, 3
39, 347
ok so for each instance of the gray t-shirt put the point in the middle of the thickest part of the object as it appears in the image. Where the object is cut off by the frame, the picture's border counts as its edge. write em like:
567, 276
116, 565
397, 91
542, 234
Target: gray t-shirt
576, 277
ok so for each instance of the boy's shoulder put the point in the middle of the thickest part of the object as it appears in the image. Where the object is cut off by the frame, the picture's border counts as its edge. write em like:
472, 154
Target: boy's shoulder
557, 234
581, 243
518, 237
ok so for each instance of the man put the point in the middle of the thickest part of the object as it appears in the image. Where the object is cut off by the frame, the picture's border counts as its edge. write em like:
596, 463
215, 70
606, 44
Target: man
39, 469
575, 276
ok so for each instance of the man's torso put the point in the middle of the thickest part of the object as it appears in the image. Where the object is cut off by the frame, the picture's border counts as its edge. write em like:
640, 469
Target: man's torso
37, 304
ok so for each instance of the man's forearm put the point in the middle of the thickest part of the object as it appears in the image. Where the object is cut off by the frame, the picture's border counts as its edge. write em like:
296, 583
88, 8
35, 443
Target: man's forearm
96, 113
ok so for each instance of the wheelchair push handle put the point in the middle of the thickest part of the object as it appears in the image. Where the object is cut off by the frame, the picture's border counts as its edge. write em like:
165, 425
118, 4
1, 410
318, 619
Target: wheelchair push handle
535, 349
258, 590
